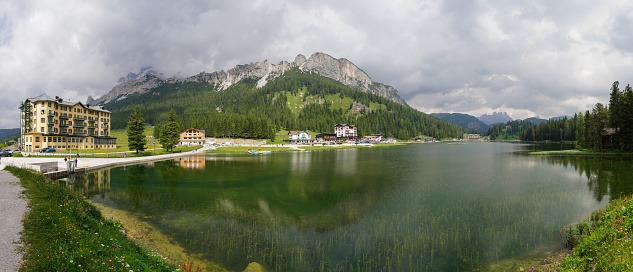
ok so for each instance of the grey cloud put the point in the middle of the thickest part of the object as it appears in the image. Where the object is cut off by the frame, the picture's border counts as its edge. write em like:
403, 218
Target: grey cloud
531, 57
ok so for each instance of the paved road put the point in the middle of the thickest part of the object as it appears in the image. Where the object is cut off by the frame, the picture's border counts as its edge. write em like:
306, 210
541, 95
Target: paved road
94, 163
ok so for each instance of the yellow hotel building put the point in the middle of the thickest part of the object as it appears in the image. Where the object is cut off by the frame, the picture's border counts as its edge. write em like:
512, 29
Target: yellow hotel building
63, 125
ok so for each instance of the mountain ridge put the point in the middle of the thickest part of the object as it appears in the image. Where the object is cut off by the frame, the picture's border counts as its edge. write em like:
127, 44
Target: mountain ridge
341, 70
464, 120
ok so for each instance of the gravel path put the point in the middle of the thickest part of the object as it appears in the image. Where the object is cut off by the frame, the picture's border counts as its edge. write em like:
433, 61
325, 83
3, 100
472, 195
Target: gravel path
12, 210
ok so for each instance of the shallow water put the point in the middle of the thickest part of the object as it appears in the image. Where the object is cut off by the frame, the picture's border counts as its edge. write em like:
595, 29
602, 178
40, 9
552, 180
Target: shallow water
419, 207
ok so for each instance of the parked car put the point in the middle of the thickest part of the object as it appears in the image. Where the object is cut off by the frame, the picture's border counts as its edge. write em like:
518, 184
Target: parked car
44, 149
50, 150
15, 151
5, 153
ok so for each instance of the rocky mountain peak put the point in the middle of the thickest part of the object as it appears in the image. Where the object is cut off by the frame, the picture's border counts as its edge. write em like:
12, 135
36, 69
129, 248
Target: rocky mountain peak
341, 70
495, 118
142, 72
300, 60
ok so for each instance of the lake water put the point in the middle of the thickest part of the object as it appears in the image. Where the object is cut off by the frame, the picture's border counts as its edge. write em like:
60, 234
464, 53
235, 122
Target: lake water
419, 207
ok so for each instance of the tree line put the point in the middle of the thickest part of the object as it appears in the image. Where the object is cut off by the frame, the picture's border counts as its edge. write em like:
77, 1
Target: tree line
508, 130
245, 111
589, 129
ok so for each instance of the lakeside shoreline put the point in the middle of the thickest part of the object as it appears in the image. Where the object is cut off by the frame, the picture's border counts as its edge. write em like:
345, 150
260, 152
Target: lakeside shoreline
150, 230
579, 153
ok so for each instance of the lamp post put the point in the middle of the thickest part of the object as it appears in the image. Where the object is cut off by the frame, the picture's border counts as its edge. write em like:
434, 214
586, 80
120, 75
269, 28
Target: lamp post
154, 143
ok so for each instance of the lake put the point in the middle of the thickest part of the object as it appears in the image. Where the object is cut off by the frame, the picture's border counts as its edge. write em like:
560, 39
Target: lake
417, 207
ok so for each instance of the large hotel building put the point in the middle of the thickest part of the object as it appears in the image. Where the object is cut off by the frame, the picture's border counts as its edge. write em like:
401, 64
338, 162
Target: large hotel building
63, 125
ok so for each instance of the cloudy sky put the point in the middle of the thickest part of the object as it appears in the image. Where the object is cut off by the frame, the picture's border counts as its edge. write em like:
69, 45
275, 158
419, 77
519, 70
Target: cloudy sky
527, 58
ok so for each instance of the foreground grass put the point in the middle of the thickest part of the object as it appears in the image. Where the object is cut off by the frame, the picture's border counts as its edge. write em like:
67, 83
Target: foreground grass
603, 242
589, 153
63, 232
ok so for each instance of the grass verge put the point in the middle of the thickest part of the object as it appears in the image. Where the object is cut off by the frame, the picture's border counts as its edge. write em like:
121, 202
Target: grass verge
603, 241
64, 232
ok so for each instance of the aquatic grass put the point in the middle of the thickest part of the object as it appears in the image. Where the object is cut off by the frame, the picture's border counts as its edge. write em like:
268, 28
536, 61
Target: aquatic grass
67, 233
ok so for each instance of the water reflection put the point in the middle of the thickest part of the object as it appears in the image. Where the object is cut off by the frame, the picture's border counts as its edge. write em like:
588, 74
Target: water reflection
192, 162
605, 176
90, 184
135, 185
346, 161
300, 162
415, 208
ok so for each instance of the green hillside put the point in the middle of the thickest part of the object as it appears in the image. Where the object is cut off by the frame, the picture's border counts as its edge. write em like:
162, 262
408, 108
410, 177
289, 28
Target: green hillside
294, 101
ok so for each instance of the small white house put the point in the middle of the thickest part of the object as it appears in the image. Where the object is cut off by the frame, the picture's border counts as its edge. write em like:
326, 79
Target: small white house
299, 137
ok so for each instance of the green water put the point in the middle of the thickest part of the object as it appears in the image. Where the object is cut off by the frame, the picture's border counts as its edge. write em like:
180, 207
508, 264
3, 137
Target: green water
419, 207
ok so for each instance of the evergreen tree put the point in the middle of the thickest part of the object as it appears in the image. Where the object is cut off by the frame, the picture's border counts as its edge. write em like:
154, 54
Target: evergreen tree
135, 130
157, 131
170, 132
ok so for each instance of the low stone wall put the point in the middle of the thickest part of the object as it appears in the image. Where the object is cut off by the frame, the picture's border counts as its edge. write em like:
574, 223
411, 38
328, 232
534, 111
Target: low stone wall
44, 167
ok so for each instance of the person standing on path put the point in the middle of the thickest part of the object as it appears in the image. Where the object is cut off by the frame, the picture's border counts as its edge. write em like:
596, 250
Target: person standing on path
76, 162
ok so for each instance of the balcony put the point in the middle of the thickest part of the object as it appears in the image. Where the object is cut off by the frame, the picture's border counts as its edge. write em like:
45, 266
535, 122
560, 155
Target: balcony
79, 125
91, 127
91, 120
64, 133
79, 118
79, 133
106, 121
63, 116
64, 124
50, 114
51, 123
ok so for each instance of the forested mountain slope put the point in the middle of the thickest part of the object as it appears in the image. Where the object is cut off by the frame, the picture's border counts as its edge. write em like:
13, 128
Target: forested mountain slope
294, 101
463, 120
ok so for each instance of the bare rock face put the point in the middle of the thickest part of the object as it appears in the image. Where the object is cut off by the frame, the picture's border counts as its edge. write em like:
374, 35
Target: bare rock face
140, 85
341, 70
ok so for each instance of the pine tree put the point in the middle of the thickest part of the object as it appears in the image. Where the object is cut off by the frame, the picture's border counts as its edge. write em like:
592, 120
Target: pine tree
135, 130
170, 132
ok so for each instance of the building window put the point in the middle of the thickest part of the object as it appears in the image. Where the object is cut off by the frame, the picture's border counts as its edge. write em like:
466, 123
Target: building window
37, 139
43, 120
41, 129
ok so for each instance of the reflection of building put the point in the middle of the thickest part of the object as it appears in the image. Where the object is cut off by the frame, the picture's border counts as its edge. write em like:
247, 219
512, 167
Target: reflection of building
89, 184
192, 136
63, 125
193, 162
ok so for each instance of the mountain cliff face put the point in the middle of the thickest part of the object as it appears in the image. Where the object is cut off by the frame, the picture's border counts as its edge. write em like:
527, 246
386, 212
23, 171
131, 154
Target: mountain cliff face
341, 70
495, 118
